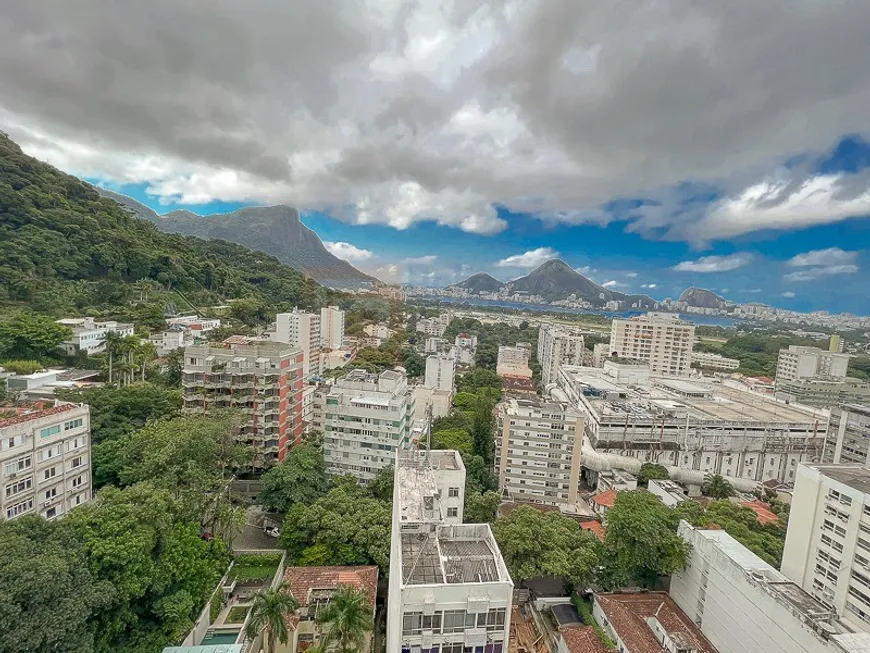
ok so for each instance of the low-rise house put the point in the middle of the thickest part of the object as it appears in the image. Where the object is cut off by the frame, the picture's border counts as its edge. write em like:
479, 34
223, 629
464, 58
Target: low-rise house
603, 501
313, 588
89, 334
670, 493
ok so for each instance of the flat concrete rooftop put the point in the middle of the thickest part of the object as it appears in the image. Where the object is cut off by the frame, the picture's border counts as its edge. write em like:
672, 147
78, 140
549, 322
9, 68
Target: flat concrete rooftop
856, 477
462, 553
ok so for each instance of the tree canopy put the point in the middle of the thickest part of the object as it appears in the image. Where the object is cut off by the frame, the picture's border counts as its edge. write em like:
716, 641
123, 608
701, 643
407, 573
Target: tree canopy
299, 478
27, 335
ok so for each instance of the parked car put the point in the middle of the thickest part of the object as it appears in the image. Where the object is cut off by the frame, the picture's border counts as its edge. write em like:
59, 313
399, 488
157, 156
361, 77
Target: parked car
272, 531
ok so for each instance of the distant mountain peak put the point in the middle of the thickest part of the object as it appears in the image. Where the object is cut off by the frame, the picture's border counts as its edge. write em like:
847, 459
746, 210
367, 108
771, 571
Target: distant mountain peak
480, 282
702, 298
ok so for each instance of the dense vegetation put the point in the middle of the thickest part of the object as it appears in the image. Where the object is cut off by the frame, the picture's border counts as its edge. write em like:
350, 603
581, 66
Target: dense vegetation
64, 248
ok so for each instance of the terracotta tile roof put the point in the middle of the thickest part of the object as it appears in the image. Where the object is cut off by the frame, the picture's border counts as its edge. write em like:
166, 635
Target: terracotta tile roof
37, 414
627, 615
301, 580
606, 498
582, 639
594, 527
762, 511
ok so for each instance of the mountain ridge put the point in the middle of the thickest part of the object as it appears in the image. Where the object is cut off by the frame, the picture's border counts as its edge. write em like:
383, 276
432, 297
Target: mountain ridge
702, 298
480, 282
275, 230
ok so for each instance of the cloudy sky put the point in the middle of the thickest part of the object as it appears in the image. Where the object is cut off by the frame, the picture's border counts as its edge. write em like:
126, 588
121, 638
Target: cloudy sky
652, 145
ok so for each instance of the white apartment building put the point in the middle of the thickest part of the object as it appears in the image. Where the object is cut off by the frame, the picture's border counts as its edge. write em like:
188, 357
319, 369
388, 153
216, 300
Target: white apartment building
45, 461
435, 345
435, 326
381, 331
366, 418
440, 372
331, 327
704, 426
744, 605
89, 335
537, 451
669, 493
558, 346
175, 337
301, 330
600, 353
466, 340
709, 361
661, 340
798, 362
449, 588
827, 546
848, 439
513, 361
195, 322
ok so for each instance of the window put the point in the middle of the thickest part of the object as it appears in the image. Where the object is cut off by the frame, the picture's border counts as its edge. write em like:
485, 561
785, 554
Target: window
453, 492
412, 623
51, 493
19, 508
50, 473
51, 452
21, 486
74, 424
76, 462
77, 481
453, 512
17, 465
49, 431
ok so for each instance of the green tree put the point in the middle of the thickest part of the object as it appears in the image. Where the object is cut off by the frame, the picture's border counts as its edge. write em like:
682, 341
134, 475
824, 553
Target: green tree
481, 508
49, 594
650, 472
642, 542
22, 367
458, 439
346, 620
299, 478
414, 363
478, 378
114, 346
269, 613
536, 543
717, 487
478, 475
482, 428
30, 336
345, 527
381, 486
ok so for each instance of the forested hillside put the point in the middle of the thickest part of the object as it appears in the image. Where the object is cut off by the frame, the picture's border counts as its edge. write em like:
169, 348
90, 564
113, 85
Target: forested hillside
63, 246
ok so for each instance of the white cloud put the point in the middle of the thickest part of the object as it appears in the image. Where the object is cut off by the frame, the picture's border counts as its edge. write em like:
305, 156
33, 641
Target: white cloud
531, 259
348, 252
650, 286
613, 283
586, 270
631, 275
715, 263
788, 294
825, 257
811, 274
420, 260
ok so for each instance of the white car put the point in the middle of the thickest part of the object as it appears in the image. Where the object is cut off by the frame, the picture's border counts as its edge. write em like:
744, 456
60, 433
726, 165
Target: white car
272, 531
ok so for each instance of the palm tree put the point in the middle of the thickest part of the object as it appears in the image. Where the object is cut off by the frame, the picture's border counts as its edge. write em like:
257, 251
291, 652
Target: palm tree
268, 613
717, 487
113, 343
346, 620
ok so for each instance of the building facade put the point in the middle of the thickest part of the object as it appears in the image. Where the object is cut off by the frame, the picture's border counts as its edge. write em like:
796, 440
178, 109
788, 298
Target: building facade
450, 590
302, 330
558, 346
708, 361
799, 362
513, 361
440, 372
89, 335
848, 439
45, 460
827, 545
331, 327
537, 451
366, 418
262, 380
661, 340
744, 605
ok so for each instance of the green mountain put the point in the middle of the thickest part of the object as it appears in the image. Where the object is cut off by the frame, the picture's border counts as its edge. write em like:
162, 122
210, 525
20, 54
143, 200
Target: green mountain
703, 298
275, 230
480, 282
63, 246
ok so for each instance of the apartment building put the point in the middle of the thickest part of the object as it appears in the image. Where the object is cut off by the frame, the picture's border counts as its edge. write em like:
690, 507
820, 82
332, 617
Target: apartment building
366, 417
827, 545
537, 451
89, 335
195, 323
708, 361
381, 331
465, 348
440, 372
799, 362
707, 426
435, 326
744, 605
45, 460
449, 587
301, 330
331, 327
600, 353
661, 340
514, 362
262, 380
558, 346
848, 439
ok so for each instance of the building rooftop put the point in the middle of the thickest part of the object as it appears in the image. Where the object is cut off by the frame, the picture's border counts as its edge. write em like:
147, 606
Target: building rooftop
594, 527
306, 583
762, 511
213, 648
566, 614
606, 498
461, 553
37, 413
856, 477
630, 615
582, 639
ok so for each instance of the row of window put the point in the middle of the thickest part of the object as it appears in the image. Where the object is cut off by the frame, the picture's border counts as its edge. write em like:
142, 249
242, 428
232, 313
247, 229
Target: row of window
452, 621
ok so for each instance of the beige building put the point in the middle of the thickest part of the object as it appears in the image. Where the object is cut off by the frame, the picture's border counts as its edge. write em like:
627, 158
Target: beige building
45, 460
514, 361
331, 327
558, 346
798, 362
301, 330
661, 340
827, 546
707, 361
538, 451
848, 439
